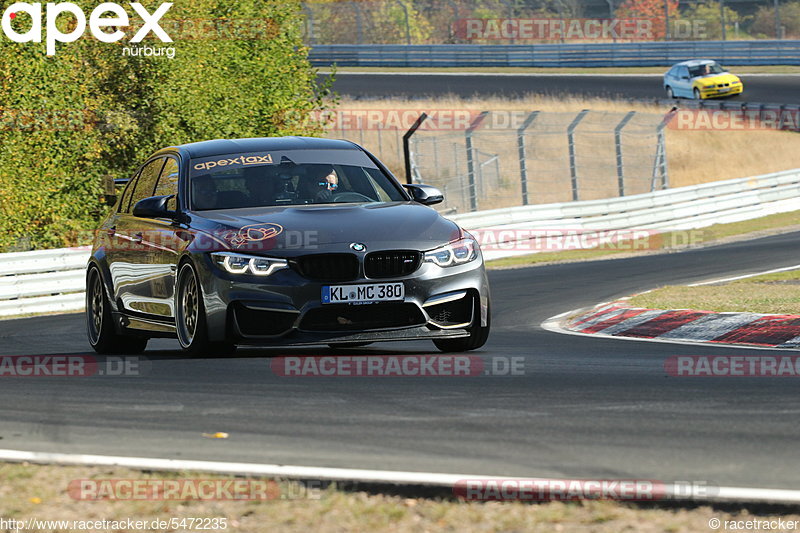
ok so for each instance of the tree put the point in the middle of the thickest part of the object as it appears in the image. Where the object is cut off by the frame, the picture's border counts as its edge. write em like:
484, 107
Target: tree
764, 21
652, 10
708, 15
71, 121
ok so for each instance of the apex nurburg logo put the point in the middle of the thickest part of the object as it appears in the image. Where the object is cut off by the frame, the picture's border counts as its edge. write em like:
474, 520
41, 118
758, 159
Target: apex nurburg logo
97, 21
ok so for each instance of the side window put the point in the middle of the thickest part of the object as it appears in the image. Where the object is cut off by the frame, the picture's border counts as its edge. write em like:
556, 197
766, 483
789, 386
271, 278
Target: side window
168, 183
146, 183
122, 205
683, 72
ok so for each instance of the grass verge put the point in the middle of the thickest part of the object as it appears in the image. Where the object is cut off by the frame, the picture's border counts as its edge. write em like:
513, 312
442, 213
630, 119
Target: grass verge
666, 242
40, 492
777, 293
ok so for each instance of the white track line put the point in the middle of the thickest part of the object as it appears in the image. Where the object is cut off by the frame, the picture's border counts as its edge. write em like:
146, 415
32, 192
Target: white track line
745, 276
678, 490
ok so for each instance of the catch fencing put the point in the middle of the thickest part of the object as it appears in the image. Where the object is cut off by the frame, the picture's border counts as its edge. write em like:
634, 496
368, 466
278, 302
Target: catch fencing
493, 159
505, 159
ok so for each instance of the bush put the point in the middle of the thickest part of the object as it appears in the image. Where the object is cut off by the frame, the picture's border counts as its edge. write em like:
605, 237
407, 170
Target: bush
709, 14
764, 21
70, 122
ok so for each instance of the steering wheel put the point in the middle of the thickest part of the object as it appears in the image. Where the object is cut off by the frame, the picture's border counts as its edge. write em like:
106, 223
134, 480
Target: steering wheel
351, 196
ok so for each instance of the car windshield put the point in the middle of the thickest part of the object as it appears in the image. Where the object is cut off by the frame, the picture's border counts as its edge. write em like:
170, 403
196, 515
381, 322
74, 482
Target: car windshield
705, 70
288, 177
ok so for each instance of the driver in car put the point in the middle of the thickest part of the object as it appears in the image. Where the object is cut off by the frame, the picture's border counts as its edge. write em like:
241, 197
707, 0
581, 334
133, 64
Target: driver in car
320, 183
327, 186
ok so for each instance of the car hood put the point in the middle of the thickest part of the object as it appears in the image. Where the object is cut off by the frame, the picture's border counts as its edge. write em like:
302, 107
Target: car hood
396, 225
725, 77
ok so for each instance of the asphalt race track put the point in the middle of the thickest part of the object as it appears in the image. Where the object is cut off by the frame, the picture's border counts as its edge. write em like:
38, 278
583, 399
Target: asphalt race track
585, 408
775, 89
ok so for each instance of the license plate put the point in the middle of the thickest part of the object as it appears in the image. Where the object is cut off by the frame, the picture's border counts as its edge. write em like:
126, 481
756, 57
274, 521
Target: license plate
373, 292
724, 90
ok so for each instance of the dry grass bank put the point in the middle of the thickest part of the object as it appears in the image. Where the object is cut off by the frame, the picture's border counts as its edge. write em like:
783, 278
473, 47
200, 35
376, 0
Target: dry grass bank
693, 156
29, 491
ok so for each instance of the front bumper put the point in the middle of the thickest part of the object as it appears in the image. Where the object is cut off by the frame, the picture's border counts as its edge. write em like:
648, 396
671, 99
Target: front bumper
717, 92
285, 309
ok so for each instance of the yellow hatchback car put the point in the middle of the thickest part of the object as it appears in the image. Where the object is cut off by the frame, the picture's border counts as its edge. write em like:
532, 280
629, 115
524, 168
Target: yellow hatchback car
700, 79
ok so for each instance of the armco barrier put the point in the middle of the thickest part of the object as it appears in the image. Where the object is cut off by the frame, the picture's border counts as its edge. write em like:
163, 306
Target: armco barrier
42, 281
640, 54
53, 280
683, 208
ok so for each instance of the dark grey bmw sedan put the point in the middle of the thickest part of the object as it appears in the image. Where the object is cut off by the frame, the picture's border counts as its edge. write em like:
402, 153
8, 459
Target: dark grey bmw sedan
283, 241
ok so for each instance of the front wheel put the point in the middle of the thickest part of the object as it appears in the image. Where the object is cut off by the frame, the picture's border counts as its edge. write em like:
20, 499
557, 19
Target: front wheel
190, 317
670, 93
99, 326
697, 95
478, 335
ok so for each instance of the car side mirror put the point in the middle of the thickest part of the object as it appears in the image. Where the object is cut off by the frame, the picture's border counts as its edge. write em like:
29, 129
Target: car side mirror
425, 194
154, 207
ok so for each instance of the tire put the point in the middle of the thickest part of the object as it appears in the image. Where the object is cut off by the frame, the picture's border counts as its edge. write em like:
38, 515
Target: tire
190, 317
670, 94
346, 345
103, 338
477, 336
697, 95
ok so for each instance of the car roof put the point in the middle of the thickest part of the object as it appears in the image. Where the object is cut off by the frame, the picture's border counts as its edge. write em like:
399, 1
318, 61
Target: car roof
694, 63
261, 144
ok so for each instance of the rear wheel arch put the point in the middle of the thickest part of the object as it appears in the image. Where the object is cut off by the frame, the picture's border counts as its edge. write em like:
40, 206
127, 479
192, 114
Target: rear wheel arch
105, 277
101, 326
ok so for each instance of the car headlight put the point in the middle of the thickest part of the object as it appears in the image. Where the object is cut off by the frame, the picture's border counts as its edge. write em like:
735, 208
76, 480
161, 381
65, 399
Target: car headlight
455, 253
248, 264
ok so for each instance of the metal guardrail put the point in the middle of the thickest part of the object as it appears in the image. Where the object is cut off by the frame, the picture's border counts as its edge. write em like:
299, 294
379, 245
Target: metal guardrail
42, 281
683, 208
640, 54
53, 280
